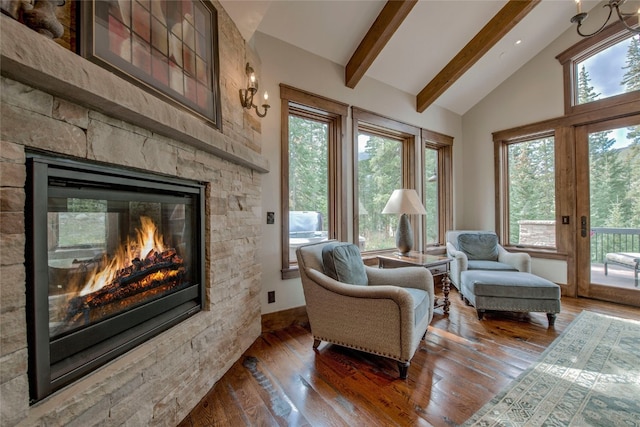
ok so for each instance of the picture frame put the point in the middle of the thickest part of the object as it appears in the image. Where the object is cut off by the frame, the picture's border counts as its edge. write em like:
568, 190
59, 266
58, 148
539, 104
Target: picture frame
167, 47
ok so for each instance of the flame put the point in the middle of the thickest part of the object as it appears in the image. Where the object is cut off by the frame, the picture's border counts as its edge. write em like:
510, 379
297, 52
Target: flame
147, 242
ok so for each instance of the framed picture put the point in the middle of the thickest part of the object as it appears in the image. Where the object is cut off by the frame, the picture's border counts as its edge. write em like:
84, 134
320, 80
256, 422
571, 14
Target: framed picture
168, 47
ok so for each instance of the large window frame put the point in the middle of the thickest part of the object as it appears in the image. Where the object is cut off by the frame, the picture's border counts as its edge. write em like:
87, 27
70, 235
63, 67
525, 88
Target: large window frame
564, 131
503, 200
443, 145
414, 141
299, 103
579, 52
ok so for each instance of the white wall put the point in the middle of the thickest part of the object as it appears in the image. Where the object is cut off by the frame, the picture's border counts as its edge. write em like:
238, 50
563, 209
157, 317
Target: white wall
284, 63
532, 94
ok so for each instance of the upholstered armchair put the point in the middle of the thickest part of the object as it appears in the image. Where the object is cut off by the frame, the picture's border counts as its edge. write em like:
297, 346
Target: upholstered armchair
379, 311
480, 250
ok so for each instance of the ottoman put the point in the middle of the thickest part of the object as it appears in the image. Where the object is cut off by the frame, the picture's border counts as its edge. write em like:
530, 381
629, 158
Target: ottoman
510, 291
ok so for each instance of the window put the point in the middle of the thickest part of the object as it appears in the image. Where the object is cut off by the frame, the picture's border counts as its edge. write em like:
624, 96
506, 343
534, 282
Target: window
379, 173
531, 192
536, 164
81, 222
313, 201
438, 190
386, 157
601, 71
431, 194
609, 72
526, 187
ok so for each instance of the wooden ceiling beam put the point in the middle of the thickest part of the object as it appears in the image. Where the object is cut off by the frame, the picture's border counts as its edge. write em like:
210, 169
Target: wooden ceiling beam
387, 22
507, 18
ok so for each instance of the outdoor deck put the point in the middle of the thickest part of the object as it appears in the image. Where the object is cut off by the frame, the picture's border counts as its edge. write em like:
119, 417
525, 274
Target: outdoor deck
618, 276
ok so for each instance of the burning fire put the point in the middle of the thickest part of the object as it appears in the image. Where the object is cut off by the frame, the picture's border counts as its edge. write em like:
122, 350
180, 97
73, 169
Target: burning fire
147, 243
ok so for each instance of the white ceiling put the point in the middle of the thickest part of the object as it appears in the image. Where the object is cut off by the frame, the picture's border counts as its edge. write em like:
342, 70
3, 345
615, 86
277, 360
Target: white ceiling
432, 34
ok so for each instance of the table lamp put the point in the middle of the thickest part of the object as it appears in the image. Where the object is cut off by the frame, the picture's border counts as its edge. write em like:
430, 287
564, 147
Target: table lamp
404, 202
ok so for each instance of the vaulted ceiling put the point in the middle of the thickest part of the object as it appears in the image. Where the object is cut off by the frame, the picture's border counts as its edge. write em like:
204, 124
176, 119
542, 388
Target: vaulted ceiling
450, 53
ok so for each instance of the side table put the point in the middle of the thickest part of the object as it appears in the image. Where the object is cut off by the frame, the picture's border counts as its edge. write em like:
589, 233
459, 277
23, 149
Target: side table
437, 265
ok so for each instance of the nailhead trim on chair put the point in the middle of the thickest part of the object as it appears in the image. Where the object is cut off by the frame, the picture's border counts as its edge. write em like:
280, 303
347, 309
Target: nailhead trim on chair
389, 356
517, 309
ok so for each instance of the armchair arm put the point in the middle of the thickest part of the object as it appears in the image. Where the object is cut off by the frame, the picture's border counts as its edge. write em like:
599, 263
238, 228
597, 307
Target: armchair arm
519, 260
378, 319
394, 293
405, 277
459, 264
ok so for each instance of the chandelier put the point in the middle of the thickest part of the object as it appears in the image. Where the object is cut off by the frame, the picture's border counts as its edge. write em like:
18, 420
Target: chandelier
613, 4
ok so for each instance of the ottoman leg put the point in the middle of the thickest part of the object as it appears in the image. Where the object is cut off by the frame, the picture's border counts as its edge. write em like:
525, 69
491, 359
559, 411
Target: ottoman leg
480, 314
552, 319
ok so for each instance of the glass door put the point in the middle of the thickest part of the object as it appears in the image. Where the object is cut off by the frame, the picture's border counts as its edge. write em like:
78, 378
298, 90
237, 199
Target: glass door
608, 203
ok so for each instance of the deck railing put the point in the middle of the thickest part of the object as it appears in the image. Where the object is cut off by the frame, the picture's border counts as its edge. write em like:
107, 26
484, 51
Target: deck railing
605, 240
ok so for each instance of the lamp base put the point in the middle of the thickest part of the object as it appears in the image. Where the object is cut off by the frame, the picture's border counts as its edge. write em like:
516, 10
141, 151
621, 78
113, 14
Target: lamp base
404, 235
406, 254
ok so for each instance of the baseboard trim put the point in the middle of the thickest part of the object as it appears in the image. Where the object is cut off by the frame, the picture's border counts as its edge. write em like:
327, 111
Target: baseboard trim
285, 318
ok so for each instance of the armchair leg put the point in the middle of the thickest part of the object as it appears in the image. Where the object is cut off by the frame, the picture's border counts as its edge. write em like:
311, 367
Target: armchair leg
316, 343
552, 319
404, 368
480, 314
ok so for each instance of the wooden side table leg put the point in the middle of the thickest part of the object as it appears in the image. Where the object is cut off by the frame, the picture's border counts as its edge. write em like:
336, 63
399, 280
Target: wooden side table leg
446, 287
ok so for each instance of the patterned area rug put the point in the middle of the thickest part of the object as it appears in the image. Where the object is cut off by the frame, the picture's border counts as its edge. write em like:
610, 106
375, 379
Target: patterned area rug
589, 376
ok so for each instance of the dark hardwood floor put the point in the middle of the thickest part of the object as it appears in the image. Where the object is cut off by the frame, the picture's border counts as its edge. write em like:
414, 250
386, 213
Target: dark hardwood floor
461, 365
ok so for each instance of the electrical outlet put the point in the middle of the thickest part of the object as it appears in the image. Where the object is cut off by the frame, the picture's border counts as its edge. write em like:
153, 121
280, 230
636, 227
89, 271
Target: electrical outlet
271, 297
271, 217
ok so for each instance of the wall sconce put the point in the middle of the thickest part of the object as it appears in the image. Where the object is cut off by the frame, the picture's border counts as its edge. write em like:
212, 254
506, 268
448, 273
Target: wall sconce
246, 95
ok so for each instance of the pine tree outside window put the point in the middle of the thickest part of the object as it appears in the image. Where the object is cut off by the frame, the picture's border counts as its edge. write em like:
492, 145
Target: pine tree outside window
601, 71
609, 72
531, 192
313, 205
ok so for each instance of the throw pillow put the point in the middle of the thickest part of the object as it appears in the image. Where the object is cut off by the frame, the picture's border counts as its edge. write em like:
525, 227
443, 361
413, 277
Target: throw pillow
480, 246
342, 262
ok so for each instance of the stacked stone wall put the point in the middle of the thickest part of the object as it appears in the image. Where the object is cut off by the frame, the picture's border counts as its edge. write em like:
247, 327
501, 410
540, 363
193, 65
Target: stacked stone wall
160, 381
537, 233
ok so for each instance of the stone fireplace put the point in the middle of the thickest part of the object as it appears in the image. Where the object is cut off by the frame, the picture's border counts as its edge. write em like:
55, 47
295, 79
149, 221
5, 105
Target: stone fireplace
62, 107
113, 258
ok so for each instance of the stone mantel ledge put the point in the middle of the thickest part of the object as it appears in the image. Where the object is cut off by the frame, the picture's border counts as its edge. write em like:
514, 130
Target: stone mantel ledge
37, 61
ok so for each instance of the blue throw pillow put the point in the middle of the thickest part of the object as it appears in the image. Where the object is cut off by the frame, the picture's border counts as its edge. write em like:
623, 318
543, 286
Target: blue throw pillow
479, 246
342, 262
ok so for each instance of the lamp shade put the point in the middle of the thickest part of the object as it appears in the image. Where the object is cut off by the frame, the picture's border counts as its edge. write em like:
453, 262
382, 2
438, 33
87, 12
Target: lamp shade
404, 201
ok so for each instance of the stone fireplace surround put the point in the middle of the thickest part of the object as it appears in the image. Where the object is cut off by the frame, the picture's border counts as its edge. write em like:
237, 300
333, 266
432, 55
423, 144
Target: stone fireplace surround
55, 101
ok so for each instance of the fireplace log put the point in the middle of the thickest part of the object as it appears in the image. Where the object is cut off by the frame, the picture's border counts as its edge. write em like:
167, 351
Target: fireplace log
164, 269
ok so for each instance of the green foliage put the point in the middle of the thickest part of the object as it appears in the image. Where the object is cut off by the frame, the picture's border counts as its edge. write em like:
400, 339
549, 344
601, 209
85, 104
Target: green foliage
531, 183
631, 78
86, 205
614, 173
308, 166
379, 173
431, 195
585, 92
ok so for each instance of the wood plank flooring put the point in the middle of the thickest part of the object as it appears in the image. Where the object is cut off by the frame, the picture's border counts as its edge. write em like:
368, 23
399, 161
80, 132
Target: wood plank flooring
461, 365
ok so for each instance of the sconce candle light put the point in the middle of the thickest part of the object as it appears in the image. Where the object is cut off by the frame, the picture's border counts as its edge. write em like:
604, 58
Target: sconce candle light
246, 95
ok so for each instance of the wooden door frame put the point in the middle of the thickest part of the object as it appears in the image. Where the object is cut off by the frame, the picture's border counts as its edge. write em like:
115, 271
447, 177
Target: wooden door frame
583, 246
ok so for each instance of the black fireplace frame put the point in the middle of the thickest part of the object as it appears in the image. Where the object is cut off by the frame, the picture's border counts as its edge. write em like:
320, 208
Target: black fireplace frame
55, 364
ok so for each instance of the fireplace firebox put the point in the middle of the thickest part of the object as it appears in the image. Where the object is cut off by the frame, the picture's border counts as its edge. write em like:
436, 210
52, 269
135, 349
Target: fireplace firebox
114, 257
